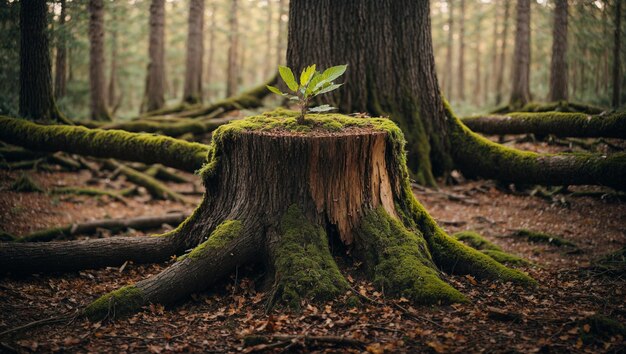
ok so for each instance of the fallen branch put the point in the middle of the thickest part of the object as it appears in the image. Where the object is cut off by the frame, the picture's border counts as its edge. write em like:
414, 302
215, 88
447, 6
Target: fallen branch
89, 227
260, 341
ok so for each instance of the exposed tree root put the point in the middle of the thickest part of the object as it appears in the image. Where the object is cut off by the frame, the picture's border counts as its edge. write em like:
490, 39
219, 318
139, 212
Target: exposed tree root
156, 189
477, 156
611, 125
55, 256
162, 173
540, 237
122, 145
478, 242
288, 340
561, 106
89, 227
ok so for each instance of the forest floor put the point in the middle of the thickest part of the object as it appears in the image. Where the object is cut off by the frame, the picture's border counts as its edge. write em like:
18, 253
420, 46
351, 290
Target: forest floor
500, 317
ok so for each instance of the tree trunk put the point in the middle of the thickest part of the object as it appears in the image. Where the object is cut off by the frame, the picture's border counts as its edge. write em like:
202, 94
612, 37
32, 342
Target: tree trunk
490, 75
502, 61
97, 83
477, 87
269, 65
385, 58
447, 86
461, 69
558, 65
211, 54
280, 45
112, 94
60, 78
155, 82
232, 80
36, 97
617, 78
192, 92
520, 93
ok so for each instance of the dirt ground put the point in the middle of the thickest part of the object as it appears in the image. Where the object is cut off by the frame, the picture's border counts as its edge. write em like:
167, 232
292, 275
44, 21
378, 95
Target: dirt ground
500, 317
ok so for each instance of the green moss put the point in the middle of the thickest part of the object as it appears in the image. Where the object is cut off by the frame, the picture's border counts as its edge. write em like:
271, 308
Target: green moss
220, 237
597, 328
25, 184
475, 240
506, 258
304, 267
47, 234
146, 148
540, 237
400, 262
115, 303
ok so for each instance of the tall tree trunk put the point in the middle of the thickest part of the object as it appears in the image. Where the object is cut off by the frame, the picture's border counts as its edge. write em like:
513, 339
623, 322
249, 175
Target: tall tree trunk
97, 81
447, 86
490, 75
617, 78
385, 58
461, 73
36, 97
112, 94
502, 61
477, 82
520, 93
155, 82
558, 65
60, 72
269, 65
232, 79
280, 45
192, 92
211, 55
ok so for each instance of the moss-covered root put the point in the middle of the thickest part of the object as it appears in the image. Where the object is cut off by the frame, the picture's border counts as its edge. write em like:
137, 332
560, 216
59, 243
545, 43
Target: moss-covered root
478, 242
301, 261
558, 106
399, 261
228, 246
146, 148
541, 237
25, 184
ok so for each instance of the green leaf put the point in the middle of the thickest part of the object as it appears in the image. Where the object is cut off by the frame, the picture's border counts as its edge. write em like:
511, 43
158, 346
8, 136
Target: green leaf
275, 90
334, 72
322, 108
328, 89
294, 98
288, 77
317, 77
306, 75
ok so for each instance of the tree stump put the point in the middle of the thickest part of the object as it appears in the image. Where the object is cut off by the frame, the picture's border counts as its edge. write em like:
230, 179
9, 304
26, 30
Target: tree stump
276, 192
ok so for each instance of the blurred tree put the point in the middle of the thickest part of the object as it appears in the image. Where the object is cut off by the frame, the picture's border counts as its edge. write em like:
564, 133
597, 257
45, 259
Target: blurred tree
520, 94
558, 66
232, 80
617, 79
502, 61
195, 50
98, 106
60, 73
460, 78
155, 81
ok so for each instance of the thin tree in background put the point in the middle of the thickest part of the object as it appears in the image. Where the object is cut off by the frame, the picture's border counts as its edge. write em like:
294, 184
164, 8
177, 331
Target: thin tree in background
60, 72
192, 91
447, 82
502, 61
280, 45
269, 67
155, 81
212, 31
558, 65
36, 96
97, 82
112, 94
477, 83
233, 39
520, 92
490, 75
461, 68
617, 79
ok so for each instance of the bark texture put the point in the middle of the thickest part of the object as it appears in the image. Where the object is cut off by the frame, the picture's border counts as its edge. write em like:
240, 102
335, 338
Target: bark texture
60, 72
232, 78
385, 61
155, 82
558, 65
36, 97
192, 92
520, 78
97, 82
